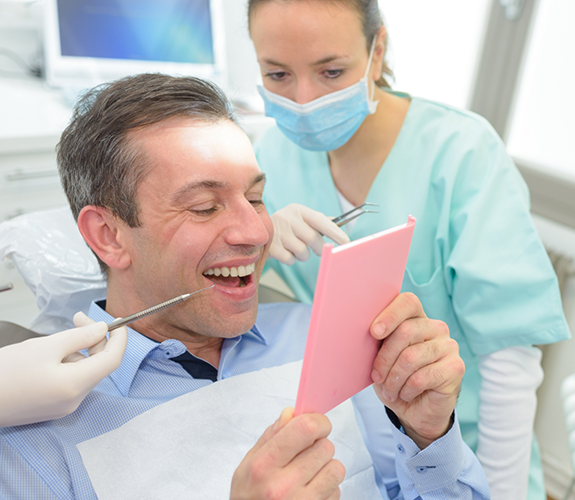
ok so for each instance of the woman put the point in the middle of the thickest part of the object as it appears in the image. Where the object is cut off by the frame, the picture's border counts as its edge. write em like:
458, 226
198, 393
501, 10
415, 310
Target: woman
476, 262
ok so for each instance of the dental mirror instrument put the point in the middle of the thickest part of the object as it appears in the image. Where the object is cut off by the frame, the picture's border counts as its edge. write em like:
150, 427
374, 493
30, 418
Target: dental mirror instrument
118, 322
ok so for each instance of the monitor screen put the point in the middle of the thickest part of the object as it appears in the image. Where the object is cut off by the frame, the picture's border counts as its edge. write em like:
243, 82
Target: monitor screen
91, 41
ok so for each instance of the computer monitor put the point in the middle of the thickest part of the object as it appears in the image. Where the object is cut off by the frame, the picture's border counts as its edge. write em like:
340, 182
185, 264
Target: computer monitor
87, 42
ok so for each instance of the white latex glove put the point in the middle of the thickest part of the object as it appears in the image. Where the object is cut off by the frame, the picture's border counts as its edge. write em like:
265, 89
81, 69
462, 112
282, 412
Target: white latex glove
296, 228
47, 378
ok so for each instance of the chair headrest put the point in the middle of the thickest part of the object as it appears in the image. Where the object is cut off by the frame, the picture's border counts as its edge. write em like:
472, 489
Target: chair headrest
56, 264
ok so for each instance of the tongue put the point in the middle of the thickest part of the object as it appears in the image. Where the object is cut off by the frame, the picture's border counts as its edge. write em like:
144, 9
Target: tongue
229, 281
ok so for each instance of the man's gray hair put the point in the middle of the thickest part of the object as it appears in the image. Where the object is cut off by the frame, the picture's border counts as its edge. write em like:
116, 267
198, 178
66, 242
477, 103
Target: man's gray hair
98, 165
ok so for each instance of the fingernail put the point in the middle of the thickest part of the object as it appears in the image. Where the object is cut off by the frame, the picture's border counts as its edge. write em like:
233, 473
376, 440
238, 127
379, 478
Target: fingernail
379, 330
285, 415
376, 377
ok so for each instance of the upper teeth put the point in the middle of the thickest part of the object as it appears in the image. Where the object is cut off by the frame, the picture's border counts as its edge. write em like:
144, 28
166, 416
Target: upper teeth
232, 271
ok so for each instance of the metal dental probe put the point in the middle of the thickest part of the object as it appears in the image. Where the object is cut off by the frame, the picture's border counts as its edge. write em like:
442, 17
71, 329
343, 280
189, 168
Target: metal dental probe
118, 322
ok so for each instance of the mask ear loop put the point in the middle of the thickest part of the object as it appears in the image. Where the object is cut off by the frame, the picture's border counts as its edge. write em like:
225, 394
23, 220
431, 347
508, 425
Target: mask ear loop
372, 50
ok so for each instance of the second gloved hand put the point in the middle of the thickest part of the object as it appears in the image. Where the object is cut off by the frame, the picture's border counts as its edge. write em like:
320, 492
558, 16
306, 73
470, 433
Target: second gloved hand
297, 228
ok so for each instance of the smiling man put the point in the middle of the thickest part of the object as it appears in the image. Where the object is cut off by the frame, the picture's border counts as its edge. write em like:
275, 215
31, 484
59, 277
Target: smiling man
167, 193
200, 219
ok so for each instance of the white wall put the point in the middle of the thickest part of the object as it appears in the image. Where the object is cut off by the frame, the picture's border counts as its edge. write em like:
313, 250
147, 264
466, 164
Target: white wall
19, 32
243, 69
422, 48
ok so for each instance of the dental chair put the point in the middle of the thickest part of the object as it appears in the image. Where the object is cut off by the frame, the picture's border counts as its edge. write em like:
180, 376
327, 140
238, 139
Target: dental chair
11, 333
59, 268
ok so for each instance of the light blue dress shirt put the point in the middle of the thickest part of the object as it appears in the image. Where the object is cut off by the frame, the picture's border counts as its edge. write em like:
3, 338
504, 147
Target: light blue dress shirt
41, 462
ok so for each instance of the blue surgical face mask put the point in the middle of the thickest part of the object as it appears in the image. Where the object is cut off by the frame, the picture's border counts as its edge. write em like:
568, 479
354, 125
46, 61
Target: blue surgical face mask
326, 123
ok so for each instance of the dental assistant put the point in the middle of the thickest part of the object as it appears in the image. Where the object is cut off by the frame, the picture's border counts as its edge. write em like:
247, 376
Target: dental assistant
344, 137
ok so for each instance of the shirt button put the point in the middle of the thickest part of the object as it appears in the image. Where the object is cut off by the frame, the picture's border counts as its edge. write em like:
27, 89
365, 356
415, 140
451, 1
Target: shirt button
421, 469
400, 448
168, 354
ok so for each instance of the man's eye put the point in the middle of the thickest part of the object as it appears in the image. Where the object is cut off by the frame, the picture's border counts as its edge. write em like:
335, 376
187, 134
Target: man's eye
203, 211
257, 203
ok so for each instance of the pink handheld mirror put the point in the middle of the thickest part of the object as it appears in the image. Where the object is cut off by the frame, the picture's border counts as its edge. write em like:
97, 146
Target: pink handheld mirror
356, 281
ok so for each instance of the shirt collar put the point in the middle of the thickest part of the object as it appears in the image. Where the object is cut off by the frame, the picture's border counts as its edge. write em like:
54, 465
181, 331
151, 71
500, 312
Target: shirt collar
256, 335
139, 348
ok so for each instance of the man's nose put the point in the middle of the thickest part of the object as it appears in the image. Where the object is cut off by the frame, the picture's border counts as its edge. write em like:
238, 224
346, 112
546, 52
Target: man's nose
246, 226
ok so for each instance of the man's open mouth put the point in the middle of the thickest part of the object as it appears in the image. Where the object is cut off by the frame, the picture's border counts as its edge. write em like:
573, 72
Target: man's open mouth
231, 276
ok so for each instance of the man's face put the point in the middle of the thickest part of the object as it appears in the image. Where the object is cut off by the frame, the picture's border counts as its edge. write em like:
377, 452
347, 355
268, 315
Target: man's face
202, 217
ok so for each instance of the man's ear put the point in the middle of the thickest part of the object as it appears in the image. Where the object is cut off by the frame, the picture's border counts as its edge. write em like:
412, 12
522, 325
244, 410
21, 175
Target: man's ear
104, 233
379, 53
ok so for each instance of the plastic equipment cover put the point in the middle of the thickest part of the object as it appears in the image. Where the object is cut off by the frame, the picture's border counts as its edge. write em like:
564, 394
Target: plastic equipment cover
56, 264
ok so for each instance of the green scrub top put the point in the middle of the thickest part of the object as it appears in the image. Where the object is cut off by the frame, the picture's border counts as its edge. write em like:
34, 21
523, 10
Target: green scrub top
476, 261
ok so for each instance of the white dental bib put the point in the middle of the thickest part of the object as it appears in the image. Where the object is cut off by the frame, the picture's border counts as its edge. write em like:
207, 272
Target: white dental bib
190, 447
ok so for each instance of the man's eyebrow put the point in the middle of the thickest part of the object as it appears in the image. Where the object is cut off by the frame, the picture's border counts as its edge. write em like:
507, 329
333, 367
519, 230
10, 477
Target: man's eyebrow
258, 178
210, 184
196, 186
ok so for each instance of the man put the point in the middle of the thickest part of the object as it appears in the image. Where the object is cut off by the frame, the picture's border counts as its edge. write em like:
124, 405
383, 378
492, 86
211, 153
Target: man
167, 193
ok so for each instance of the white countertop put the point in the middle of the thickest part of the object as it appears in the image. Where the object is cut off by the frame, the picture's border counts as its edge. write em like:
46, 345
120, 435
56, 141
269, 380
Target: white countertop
32, 117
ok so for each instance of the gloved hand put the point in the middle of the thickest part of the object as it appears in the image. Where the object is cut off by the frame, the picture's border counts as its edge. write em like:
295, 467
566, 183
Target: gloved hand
296, 228
47, 378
